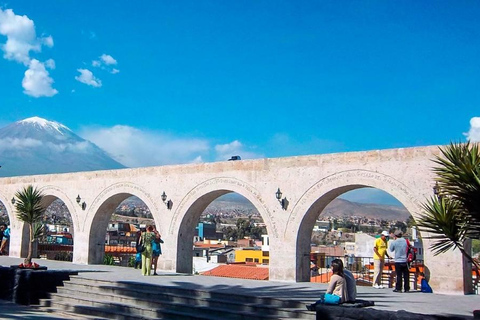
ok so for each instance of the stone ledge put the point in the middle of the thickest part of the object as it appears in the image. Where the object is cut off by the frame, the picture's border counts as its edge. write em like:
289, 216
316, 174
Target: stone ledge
338, 313
28, 286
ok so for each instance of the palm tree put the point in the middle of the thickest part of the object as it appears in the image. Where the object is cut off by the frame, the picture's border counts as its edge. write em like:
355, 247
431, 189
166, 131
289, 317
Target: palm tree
30, 210
453, 214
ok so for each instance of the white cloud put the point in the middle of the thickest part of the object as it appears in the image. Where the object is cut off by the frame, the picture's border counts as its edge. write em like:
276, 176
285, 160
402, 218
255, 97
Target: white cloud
21, 37
105, 63
50, 63
37, 82
234, 148
15, 144
473, 134
87, 77
137, 148
48, 41
108, 59
21, 40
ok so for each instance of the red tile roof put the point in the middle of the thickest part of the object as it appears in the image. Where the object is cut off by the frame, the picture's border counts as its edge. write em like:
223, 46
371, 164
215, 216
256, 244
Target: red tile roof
239, 271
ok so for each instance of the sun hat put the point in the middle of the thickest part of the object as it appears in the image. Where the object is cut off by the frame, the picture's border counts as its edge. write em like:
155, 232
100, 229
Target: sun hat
384, 233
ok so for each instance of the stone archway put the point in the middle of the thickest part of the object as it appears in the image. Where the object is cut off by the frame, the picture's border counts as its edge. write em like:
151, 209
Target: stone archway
101, 210
52, 193
196, 201
316, 198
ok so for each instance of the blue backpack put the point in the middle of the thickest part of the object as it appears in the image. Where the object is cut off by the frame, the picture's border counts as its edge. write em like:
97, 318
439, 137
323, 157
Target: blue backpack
425, 287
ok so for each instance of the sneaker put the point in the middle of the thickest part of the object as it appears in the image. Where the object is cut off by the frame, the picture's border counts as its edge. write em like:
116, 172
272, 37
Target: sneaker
395, 290
376, 286
381, 287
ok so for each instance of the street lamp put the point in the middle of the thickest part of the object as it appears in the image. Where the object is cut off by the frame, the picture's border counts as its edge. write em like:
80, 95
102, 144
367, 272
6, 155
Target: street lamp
168, 203
83, 204
284, 201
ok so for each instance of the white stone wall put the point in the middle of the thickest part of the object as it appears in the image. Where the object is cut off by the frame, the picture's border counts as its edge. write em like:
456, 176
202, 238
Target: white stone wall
309, 183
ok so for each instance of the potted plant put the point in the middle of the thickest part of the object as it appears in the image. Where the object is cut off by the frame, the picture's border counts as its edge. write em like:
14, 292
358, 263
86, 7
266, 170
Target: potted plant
28, 204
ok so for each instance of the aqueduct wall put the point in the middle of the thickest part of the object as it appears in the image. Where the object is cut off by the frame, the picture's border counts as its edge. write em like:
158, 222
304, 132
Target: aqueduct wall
308, 182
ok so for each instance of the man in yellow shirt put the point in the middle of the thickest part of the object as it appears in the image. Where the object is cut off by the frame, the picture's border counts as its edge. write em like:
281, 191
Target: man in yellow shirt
379, 253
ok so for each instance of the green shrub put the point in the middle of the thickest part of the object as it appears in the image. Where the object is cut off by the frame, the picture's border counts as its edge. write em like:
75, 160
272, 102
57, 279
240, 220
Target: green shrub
131, 261
108, 260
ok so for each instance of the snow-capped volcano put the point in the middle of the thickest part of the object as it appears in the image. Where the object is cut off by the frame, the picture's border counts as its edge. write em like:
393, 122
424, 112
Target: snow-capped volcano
43, 124
38, 146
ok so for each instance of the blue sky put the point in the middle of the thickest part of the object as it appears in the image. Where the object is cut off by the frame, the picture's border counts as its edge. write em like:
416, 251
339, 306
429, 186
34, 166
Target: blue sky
162, 82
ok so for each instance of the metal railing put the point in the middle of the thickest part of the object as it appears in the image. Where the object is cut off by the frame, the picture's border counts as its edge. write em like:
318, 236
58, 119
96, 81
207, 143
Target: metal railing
362, 269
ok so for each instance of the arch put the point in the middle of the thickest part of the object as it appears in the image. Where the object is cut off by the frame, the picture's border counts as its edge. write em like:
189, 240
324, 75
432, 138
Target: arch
101, 210
317, 197
8, 207
196, 201
52, 193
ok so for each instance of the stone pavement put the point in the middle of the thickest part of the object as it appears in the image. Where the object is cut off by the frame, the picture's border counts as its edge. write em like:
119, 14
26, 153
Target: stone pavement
385, 299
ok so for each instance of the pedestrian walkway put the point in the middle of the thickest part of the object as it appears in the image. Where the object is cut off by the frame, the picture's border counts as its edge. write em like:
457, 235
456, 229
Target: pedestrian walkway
385, 299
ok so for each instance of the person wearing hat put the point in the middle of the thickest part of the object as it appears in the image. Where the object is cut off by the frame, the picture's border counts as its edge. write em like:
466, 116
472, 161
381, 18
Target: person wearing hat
399, 247
379, 253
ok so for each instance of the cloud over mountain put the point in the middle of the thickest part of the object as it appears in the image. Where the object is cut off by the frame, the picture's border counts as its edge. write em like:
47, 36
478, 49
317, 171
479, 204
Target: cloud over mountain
140, 148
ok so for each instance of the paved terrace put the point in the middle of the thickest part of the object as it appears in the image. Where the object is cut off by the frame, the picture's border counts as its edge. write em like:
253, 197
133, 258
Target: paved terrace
385, 299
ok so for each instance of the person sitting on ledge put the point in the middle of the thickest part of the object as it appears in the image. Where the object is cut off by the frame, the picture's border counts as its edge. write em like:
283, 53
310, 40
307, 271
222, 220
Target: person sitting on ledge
337, 292
351, 283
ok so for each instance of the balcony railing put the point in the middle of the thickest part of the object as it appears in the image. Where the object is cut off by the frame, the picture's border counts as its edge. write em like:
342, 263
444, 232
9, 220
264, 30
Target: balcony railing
362, 269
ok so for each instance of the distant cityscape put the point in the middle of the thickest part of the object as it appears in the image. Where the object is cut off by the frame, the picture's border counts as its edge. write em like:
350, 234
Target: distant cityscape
225, 211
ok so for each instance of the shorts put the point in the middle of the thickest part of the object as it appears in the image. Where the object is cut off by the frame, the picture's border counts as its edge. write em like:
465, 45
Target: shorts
156, 253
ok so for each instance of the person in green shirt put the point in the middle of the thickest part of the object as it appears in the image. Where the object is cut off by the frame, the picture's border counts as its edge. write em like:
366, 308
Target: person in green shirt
379, 253
146, 239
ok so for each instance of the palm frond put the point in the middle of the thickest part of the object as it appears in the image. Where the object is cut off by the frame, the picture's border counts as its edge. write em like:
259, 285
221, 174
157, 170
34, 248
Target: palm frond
28, 204
458, 177
443, 219
39, 230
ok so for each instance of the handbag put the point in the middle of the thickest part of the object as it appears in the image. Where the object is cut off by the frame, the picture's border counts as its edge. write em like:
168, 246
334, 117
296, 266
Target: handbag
331, 299
140, 248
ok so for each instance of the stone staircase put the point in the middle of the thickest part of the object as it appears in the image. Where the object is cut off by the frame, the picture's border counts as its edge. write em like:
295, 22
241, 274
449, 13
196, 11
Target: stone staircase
99, 299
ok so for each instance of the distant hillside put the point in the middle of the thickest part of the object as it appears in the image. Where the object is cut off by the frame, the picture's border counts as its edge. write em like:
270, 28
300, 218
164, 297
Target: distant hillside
337, 208
344, 208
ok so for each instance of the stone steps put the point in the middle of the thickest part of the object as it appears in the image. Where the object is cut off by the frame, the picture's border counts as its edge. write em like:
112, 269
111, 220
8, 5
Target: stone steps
130, 300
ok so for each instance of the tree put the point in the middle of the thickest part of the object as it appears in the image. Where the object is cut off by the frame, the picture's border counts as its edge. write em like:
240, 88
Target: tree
452, 215
28, 204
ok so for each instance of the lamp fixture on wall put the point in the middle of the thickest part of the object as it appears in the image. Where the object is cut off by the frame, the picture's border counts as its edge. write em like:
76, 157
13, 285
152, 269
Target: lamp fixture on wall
83, 204
283, 201
168, 203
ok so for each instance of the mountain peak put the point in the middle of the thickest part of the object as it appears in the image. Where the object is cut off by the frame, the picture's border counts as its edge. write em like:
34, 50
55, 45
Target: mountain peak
38, 146
44, 124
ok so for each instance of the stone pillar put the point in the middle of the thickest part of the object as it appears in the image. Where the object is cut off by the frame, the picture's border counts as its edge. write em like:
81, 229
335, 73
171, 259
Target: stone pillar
19, 237
80, 248
467, 267
445, 271
282, 259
